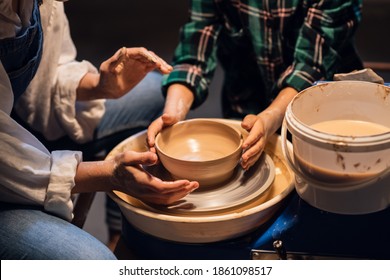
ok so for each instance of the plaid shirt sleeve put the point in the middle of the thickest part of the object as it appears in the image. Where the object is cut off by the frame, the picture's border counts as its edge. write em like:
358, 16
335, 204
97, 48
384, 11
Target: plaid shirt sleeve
328, 25
195, 56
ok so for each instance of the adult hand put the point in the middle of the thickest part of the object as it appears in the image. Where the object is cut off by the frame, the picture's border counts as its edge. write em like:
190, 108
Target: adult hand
120, 73
126, 68
130, 177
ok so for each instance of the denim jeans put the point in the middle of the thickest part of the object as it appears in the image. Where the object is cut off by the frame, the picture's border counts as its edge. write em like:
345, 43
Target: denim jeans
29, 233
132, 112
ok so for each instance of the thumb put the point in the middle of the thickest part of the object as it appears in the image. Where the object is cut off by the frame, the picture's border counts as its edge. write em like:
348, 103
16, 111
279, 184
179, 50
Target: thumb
115, 63
134, 158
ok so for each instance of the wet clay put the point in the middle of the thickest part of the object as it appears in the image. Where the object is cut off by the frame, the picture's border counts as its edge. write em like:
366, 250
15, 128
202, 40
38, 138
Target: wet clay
349, 128
352, 128
200, 150
331, 176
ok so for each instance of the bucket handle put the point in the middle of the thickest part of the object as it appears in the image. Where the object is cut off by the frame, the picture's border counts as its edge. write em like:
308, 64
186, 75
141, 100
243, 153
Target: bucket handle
314, 182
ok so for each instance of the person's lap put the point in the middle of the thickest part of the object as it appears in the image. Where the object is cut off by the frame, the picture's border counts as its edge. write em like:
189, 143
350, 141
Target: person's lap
29, 233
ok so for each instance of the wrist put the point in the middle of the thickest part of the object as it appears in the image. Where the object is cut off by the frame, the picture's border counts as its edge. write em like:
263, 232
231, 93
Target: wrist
88, 88
94, 176
274, 114
272, 119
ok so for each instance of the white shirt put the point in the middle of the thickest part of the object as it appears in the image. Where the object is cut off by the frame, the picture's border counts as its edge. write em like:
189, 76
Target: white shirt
10, 21
29, 174
49, 105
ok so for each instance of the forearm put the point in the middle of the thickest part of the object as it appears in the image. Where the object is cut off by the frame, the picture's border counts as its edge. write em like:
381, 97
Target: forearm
94, 176
179, 100
88, 88
274, 114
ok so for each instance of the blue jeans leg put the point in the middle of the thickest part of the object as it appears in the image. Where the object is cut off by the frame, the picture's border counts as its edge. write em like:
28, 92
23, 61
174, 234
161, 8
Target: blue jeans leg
29, 233
136, 109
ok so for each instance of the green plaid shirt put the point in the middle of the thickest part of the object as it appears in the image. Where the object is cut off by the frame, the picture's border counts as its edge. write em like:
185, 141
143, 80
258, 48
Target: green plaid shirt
264, 46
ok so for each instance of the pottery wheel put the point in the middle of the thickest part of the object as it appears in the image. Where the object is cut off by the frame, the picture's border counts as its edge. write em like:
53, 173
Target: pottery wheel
241, 188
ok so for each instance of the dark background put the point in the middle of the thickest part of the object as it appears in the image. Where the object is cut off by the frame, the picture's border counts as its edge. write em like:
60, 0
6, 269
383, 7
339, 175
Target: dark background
100, 27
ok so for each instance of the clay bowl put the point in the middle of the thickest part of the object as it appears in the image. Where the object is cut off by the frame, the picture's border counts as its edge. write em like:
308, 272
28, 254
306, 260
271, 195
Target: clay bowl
200, 150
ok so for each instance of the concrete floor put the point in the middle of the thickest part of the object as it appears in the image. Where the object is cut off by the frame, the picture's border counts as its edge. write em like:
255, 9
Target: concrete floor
100, 29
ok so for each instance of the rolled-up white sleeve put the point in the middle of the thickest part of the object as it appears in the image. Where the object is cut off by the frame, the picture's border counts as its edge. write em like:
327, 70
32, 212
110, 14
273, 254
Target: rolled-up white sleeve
31, 175
58, 196
77, 119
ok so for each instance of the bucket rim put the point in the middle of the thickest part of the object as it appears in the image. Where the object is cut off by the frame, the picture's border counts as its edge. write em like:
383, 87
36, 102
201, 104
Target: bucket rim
303, 131
336, 142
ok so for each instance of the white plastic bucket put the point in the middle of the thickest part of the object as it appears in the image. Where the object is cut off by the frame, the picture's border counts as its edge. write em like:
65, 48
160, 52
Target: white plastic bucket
340, 174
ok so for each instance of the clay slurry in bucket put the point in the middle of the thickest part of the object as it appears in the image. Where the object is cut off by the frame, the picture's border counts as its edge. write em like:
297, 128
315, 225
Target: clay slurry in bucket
352, 128
348, 128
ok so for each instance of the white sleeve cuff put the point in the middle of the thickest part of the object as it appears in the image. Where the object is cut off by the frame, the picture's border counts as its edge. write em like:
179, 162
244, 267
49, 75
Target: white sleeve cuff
59, 198
78, 119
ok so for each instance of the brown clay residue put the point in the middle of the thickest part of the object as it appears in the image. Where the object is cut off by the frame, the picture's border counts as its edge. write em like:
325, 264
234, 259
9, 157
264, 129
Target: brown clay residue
387, 93
366, 168
340, 146
323, 86
340, 160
